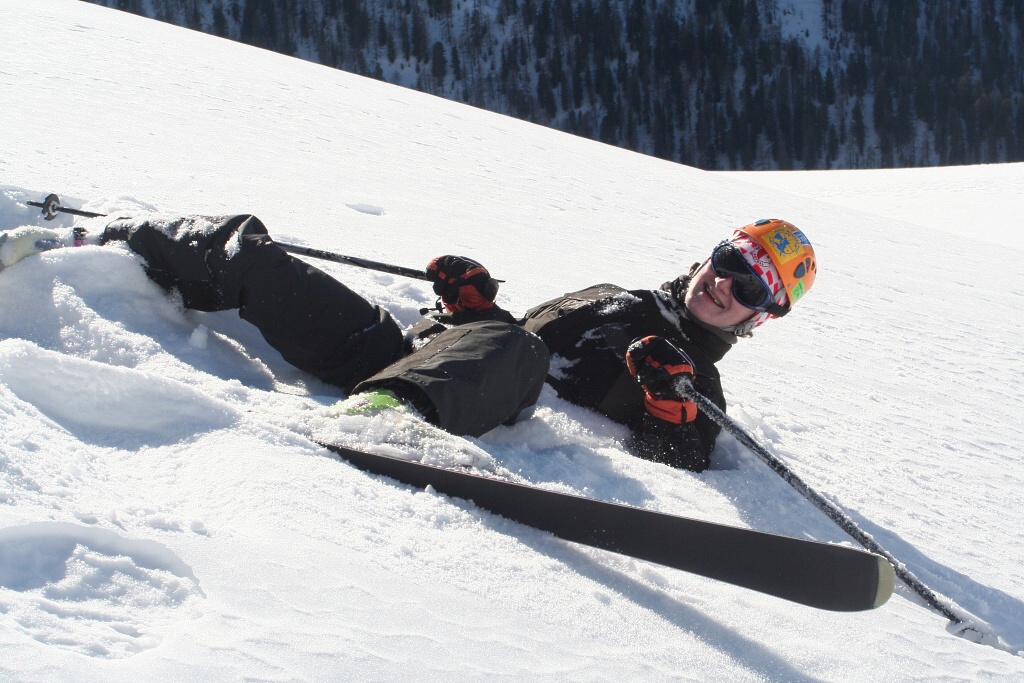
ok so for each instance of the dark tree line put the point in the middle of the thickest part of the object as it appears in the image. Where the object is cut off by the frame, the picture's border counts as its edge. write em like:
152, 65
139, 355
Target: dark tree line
717, 84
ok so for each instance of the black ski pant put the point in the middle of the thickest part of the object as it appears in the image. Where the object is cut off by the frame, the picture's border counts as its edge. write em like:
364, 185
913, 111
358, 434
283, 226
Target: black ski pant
467, 380
473, 377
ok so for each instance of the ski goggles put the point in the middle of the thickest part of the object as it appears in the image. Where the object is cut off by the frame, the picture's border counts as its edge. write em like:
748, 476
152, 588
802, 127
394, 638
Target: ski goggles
747, 286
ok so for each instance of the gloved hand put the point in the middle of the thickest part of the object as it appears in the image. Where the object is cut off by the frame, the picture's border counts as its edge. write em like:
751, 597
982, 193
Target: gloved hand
656, 363
462, 283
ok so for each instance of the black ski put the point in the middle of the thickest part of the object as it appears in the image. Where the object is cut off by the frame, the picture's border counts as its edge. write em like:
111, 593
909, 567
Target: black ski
821, 575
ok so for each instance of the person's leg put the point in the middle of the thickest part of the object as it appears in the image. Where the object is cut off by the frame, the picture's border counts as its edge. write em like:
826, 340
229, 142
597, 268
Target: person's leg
315, 322
471, 378
177, 252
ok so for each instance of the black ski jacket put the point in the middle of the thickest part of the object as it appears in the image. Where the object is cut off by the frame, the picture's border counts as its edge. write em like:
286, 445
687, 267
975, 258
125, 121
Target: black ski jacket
587, 333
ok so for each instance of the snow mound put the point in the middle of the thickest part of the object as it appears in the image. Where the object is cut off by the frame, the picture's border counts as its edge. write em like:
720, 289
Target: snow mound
84, 395
91, 590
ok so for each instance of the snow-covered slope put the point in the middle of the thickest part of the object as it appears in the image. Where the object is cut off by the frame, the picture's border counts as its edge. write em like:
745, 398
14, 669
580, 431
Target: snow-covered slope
163, 515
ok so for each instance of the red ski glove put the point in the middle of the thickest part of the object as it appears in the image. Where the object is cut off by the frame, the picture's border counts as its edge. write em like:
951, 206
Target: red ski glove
462, 283
656, 363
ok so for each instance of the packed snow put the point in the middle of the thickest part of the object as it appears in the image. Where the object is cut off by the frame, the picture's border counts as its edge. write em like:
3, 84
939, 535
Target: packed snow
164, 514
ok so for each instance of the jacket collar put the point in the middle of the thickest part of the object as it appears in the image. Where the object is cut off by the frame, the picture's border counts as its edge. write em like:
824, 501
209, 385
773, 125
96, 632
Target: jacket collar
715, 341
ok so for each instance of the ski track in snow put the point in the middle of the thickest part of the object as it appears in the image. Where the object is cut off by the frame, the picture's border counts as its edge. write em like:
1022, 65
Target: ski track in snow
164, 514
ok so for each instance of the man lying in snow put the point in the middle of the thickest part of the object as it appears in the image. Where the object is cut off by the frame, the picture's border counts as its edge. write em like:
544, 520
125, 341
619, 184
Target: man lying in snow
475, 367
618, 352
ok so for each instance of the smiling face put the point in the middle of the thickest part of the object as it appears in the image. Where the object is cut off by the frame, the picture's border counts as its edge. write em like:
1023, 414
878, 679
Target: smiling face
709, 299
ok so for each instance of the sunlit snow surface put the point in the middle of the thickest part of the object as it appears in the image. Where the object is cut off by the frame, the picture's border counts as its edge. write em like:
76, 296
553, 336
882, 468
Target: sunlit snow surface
164, 515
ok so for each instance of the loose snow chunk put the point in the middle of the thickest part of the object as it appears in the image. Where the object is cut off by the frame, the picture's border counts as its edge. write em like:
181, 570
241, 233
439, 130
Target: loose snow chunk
399, 434
200, 337
367, 209
618, 303
558, 366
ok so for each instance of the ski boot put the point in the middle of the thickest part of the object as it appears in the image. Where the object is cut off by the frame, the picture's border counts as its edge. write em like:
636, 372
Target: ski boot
28, 240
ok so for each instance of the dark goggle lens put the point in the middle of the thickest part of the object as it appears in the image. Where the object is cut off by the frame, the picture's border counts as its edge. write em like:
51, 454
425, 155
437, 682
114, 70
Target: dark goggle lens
748, 289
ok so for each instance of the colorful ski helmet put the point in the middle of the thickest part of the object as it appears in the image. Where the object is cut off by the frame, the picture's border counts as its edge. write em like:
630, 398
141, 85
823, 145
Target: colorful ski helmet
790, 251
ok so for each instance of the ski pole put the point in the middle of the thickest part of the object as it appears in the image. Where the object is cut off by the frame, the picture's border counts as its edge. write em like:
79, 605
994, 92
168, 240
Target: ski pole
356, 261
945, 606
51, 207
353, 261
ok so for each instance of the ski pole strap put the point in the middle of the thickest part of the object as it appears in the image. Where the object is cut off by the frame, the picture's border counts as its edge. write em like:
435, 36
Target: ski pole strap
353, 261
942, 604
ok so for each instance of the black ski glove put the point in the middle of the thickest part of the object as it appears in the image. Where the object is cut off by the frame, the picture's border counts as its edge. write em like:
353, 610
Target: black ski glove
462, 283
656, 363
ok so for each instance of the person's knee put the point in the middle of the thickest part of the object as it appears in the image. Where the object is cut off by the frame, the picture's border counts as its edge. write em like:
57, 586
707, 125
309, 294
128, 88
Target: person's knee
249, 225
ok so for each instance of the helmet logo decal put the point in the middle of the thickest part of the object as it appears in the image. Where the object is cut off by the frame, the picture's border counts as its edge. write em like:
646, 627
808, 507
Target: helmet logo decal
784, 243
